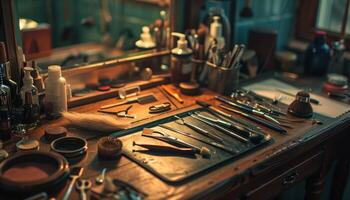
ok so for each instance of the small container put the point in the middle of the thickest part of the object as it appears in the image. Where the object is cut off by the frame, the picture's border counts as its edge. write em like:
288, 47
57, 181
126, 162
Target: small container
37, 79
56, 92
127, 92
29, 87
222, 80
317, 56
70, 147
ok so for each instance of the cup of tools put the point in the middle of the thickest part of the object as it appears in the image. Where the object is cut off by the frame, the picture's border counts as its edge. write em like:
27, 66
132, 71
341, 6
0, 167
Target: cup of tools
222, 79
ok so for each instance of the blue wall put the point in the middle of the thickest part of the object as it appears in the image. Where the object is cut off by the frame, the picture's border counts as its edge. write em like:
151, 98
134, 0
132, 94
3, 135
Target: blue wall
272, 14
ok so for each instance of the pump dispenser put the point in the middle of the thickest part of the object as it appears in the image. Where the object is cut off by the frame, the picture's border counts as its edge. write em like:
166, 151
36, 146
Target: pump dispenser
181, 66
29, 87
146, 41
216, 34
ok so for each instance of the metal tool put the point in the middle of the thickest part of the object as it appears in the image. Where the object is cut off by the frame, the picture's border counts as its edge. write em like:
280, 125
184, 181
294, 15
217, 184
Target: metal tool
101, 178
273, 126
160, 108
247, 108
233, 120
164, 149
120, 113
172, 93
220, 128
212, 143
75, 173
147, 132
312, 100
142, 99
83, 185
199, 130
252, 136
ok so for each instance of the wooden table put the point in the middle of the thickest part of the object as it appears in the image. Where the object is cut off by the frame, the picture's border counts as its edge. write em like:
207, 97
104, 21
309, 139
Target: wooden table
261, 174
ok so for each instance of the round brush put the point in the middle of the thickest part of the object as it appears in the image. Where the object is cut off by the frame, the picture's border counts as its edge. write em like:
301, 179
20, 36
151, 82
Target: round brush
301, 106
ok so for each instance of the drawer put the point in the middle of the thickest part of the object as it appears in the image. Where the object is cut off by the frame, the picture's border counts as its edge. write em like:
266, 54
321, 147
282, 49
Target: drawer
287, 179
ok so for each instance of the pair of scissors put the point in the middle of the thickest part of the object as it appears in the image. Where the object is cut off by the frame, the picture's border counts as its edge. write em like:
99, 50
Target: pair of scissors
120, 113
83, 185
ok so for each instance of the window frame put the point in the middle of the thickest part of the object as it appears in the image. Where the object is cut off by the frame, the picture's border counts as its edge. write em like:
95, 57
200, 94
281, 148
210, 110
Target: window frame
305, 24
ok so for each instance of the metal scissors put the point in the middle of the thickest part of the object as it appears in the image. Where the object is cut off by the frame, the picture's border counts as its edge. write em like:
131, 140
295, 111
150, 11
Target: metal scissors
83, 185
120, 113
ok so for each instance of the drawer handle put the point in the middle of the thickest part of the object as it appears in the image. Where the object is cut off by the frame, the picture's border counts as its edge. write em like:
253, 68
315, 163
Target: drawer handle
290, 179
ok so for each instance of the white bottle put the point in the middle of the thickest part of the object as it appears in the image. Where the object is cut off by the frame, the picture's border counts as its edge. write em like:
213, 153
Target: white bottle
28, 86
56, 92
215, 34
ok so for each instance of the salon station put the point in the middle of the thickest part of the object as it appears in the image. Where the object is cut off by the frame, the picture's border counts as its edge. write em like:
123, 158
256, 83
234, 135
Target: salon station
174, 99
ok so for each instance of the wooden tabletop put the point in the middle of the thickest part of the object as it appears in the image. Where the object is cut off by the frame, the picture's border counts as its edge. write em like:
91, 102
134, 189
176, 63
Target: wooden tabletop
215, 183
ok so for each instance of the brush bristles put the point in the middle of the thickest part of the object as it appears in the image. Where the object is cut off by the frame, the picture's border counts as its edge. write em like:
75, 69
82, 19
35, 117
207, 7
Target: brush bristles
95, 122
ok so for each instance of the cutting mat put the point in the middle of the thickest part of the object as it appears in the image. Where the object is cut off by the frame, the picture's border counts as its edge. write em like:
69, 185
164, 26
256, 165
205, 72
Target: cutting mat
175, 168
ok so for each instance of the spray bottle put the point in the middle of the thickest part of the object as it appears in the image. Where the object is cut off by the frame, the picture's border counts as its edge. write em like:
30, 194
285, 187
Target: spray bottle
181, 65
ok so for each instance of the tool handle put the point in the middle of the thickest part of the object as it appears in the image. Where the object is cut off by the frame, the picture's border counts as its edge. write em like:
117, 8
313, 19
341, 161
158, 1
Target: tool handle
268, 124
230, 133
204, 132
114, 105
177, 97
70, 188
83, 194
236, 105
314, 101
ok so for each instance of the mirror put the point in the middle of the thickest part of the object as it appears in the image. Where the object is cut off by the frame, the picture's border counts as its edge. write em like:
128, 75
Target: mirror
75, 33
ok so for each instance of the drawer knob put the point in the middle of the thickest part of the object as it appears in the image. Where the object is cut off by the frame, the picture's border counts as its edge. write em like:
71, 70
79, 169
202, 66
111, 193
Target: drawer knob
291, 178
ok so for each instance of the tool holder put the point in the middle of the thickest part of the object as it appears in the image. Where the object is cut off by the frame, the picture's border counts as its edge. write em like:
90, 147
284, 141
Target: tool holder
221, 79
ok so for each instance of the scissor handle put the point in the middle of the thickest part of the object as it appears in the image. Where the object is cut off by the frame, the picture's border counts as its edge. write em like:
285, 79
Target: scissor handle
83, 184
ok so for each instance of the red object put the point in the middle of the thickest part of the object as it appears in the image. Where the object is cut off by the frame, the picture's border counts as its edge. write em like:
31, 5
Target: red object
319, 33
104, 88
37, 41
328, 87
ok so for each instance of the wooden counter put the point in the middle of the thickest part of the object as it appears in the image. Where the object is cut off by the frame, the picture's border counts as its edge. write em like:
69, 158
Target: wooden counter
305, 153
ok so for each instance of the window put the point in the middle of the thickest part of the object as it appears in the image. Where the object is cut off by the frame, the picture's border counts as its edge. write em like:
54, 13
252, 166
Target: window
330, 16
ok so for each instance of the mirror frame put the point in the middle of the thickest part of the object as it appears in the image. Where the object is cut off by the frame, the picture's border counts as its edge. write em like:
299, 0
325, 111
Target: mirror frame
8, 22
9, 32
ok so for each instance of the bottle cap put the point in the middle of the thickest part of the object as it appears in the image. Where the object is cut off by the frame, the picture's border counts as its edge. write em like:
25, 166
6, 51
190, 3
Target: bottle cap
216, 27
54, 71
27, 79
320, 33
182, 45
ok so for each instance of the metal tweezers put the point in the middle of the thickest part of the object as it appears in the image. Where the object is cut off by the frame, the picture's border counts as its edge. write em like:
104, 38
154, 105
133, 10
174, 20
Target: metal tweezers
120, 113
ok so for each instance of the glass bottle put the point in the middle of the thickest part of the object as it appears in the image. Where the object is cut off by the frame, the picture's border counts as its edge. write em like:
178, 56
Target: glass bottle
317, 55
